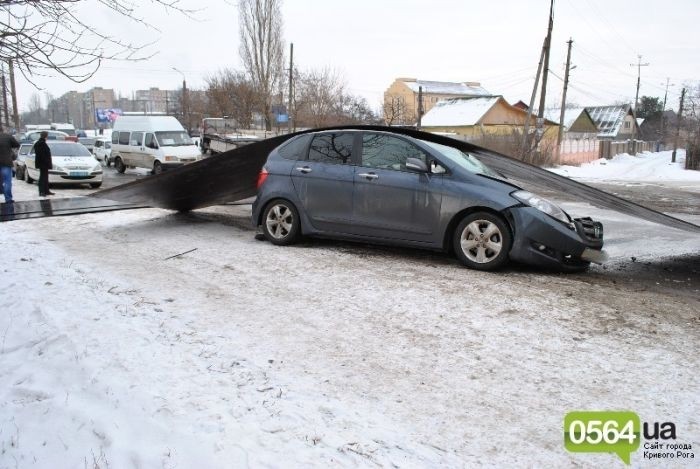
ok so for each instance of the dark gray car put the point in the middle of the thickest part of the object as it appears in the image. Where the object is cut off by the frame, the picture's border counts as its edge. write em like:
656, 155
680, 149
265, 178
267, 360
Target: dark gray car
393, 189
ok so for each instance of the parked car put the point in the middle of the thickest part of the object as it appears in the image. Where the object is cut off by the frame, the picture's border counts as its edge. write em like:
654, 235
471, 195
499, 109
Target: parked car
20, 164
392, 189
89, 143
103, 150
33, 136
66, 128
72, 164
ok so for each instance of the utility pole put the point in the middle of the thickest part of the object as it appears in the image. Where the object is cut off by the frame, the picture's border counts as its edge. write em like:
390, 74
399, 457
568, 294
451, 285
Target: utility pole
563, 100
13, 90
678, 127
639, 66
185, 116
545, 70
420, 107
291, 87
526, 130
663, 111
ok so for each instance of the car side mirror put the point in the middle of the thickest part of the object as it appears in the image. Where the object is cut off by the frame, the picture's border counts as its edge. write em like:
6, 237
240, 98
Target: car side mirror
417, 165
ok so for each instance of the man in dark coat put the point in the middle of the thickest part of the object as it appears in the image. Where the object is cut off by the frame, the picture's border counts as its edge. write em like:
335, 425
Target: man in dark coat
43, 163
7, 156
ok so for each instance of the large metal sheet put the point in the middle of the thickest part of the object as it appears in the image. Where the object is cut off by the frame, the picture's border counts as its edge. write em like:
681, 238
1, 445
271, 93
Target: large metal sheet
232, 175
60, 207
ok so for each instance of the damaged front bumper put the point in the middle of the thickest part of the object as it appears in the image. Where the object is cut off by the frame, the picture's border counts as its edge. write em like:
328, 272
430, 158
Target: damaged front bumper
541, 240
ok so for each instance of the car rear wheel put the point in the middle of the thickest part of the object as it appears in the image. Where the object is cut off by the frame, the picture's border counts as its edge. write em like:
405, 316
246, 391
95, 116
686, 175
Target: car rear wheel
119, 165
482, 241
281, 223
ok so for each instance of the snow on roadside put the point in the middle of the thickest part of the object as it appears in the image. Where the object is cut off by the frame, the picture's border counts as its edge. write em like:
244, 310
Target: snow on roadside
644, 167
246, 354
110, 365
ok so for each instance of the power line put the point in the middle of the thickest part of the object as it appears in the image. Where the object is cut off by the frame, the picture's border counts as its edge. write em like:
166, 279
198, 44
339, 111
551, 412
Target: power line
610, 25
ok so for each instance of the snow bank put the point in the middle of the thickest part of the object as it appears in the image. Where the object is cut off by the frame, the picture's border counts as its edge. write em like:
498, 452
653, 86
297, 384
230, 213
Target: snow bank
645, 167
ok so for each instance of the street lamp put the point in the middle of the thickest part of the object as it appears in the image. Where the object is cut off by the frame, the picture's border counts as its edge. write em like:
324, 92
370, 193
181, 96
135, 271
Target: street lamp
184, 98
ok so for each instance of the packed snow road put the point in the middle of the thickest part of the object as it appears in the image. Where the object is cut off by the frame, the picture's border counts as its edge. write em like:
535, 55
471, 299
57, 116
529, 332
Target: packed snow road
239, 353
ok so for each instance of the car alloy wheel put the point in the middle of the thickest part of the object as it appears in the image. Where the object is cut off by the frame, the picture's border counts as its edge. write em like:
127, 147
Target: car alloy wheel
281, 222
482, 241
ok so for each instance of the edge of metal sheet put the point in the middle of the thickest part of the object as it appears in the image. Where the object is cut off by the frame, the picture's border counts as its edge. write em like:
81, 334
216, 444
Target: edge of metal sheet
232, 176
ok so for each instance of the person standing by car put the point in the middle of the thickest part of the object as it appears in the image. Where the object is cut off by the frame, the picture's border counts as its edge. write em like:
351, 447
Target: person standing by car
43, 163
7, 156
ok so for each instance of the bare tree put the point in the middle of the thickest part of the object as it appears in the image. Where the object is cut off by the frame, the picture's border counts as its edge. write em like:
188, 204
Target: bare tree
262, 48
231, 94
49, 37
321, 99
395, 111
318, 92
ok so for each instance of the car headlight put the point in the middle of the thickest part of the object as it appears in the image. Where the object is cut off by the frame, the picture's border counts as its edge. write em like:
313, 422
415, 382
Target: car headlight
59, 168
97, 167
542, 205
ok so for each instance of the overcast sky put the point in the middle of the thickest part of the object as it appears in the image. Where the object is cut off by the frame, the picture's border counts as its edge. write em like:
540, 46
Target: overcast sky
371, 42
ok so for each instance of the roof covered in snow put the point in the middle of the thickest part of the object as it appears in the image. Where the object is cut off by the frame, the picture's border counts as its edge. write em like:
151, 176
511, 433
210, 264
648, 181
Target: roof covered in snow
570, 115
609, 119
459, 111
446, 87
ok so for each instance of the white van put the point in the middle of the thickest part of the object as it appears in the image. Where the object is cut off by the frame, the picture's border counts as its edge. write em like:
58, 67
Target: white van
152, 142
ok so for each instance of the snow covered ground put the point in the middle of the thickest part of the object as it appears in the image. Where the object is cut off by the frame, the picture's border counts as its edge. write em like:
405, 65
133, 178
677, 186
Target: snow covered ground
644, 167
115, 354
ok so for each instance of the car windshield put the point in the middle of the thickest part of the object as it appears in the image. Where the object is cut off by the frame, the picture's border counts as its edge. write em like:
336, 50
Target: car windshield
68, 149
465, 160
173, 139
24, 149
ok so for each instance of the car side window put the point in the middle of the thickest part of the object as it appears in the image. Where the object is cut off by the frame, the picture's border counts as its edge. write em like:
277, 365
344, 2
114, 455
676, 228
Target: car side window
295, 149
137, 139
124, 138
335, 148
388, 152
150, 142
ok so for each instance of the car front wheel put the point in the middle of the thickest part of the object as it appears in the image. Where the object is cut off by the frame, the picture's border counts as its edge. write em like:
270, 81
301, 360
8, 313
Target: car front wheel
281, 223
482, 241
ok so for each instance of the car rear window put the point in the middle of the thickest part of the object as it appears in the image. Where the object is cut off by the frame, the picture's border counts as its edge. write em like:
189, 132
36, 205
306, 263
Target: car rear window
333, 148
295, 149
68, 149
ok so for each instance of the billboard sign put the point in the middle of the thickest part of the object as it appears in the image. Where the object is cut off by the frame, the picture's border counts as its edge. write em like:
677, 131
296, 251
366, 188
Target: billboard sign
107, 116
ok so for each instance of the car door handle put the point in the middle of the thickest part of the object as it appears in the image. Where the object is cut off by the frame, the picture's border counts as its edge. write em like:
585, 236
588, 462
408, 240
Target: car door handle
368, 175
303, 169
